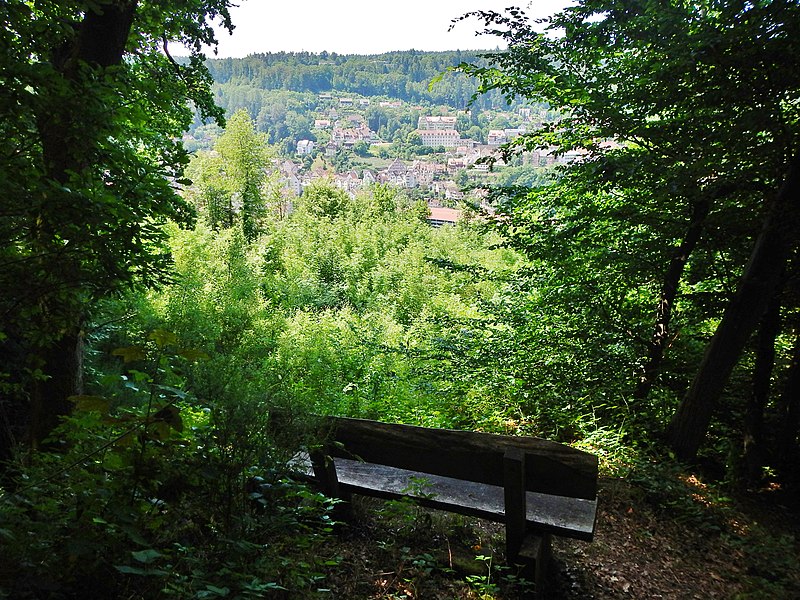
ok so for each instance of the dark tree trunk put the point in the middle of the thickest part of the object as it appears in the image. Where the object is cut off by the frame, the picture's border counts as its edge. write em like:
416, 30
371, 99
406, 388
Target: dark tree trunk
753, 426
67, 147
756, 288
788, 450
669, 289
64, 363
100, 42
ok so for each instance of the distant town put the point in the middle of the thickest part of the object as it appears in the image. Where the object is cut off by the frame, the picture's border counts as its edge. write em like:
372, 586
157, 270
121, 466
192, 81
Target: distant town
430, 140
444, 173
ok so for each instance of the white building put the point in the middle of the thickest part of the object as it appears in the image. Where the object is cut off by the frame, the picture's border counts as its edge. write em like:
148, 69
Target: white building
496, 137
441, 123
514, 132
398, 174
305, 147
449, 138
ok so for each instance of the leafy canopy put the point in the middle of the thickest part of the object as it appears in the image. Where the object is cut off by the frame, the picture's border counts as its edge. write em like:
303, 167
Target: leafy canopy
92, 109
683, 118
92, 113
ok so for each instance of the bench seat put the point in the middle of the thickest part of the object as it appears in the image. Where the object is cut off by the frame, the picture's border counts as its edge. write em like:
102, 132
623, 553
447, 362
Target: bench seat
545, 513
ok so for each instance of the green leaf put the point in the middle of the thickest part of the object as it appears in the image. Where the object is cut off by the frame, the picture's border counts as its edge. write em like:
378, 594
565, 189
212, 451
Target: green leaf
158, 430
221, 592
131, 570
174, 391
113, 461
138, 571
171, 415
192, 354
146, 556
130, 353
91, 404
163, 338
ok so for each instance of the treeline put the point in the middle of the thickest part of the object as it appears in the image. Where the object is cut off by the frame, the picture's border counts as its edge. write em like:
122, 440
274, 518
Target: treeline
288, 116
285, 93
403, 75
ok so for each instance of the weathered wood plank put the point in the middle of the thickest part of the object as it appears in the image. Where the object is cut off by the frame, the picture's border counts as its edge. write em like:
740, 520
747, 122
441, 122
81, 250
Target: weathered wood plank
324, 469
551, 468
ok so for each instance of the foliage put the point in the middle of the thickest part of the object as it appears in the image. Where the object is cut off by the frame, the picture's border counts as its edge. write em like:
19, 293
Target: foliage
329, 311
685, 119
133, 154
161, 493
321, 313
487, 585
324, 200
771, 567
405, 510
402, 75
167, 478
92, 110
287, 92
231, 182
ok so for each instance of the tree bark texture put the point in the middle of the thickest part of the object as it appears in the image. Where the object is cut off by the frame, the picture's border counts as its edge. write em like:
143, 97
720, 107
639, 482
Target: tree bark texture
100, 43
64, 363
789, 418
756, 288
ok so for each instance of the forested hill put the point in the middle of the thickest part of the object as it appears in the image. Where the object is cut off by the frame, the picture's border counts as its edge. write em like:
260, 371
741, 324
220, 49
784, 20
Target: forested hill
405, 75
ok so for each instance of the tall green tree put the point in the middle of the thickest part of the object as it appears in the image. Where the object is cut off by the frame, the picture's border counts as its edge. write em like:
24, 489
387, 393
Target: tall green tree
687, 114
91, 107
757, 289
232, 182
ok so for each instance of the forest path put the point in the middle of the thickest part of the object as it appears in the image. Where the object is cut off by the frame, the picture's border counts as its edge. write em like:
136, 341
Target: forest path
697, 548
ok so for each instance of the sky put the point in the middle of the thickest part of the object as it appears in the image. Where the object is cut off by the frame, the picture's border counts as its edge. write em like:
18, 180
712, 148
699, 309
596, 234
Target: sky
362, 26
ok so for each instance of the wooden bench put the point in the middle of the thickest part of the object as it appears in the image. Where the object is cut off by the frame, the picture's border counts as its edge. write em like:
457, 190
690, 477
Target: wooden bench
537, 488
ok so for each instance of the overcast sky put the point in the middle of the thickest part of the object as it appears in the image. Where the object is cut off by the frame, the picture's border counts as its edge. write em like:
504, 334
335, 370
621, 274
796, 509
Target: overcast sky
362, 26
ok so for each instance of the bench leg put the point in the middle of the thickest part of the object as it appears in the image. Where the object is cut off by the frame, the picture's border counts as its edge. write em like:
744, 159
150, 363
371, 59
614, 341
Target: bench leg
534, 558
325, 474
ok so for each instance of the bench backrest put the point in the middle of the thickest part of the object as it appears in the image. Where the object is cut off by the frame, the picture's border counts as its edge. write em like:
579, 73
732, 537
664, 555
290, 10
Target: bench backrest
551, 468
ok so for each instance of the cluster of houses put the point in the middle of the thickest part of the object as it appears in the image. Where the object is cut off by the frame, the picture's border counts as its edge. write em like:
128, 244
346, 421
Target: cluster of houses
397, 173
344, 133
433, 132
434, 177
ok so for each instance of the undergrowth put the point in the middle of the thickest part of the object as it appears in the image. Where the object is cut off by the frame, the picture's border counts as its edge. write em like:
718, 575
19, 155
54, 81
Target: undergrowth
148, 492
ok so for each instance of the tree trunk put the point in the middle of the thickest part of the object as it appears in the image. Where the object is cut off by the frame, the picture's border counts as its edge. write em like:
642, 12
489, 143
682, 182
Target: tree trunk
789, 418
753, 426
49, 401
67, 147
756, 288
672, 278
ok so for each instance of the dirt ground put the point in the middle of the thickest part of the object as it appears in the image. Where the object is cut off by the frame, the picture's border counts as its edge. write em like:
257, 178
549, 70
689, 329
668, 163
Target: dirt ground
746, 549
